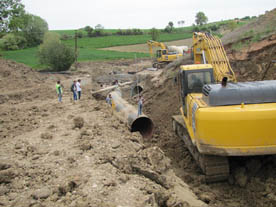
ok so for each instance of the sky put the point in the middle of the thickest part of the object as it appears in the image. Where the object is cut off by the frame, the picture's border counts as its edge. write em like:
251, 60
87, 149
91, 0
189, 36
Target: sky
142, 14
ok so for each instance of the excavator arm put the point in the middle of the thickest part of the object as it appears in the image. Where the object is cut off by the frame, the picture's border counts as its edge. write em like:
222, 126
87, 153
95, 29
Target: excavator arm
152, 44
208, 49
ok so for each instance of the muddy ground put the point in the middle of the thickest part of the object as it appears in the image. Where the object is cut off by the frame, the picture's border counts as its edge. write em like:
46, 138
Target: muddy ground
79, 154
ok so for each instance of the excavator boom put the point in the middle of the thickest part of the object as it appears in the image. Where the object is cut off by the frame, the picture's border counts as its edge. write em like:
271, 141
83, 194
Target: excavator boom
152, 44
209, 49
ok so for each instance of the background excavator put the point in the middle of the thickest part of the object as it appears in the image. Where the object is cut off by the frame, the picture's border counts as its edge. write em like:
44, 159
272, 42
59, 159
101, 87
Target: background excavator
166, 54
222, 120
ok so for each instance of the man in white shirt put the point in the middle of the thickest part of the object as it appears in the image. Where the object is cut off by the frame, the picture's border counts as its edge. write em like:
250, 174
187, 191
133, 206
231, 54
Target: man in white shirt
79, 88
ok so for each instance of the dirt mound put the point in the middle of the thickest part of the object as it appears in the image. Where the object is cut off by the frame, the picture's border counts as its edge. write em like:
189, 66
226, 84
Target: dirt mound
19, 82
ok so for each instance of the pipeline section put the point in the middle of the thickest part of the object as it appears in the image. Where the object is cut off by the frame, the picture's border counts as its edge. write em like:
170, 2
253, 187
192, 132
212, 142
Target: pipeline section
129, 114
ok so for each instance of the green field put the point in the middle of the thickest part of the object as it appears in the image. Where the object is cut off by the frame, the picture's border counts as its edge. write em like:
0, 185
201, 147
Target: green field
88, 48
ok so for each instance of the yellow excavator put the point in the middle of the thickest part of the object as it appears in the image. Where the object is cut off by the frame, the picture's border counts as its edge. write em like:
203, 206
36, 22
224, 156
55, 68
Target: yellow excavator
221, 117
164, 55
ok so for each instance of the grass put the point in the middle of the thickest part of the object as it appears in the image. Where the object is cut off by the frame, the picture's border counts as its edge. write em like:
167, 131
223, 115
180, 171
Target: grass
26, 56
111, 41
88, 47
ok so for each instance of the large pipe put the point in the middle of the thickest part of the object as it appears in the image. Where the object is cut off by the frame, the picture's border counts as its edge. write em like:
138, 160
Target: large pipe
137, 89
129, 114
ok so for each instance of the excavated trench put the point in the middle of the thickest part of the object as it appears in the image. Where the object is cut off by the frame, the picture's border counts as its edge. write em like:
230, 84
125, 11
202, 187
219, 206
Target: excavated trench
252, 180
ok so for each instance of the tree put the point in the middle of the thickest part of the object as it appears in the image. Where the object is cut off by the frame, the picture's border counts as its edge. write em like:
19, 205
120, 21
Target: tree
9, 9
169, 27
89, 31
201, 18
55, 54
34, 29
154, 34
99, 30
99, 27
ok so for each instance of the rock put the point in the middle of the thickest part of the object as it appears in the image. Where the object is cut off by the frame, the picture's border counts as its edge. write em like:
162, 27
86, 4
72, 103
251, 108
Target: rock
124, 178
78, 122
175, 202
241, 177
41, 193
68, 187
206, 197
4, 166
85, 146
242, 70
7, 175
116, 145
18, 146
46, 136
56, 153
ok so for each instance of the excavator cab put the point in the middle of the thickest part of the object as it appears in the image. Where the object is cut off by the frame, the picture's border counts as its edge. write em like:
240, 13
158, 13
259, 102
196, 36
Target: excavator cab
160, 53
192, 78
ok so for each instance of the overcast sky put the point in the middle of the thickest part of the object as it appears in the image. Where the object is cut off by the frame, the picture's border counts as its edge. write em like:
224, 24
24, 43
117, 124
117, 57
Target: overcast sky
143, 14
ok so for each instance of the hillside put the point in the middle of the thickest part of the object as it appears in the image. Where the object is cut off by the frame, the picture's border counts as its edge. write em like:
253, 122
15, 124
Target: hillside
257, 29
251, 48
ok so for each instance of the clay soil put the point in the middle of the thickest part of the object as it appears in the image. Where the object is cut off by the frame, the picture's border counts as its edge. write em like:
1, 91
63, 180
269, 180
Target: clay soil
77, 154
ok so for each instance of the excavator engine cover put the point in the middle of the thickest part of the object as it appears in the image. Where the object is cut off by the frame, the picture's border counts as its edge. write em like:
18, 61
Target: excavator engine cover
237, 93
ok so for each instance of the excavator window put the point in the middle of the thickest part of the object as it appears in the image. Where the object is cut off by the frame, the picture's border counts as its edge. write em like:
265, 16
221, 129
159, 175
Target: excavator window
158, 53
196, 80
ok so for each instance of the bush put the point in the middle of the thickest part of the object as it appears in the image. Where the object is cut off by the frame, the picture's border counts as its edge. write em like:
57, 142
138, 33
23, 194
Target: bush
245, 18
55, 54
232, 25
129, 32
214, 27
79, 34
13, 42
155, 33
196, 28
65, 37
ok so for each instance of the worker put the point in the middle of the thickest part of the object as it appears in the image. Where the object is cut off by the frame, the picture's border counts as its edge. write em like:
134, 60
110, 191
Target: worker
224, 82
59, 90
74, 90
109, 99
195, 82
140, 104
78, 84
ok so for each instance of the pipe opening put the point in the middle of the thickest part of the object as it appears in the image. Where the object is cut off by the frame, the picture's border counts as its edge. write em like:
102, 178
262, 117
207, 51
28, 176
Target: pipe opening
144, 125
136, 90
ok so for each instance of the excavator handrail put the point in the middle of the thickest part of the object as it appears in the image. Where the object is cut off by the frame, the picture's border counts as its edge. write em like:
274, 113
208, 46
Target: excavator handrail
210, 48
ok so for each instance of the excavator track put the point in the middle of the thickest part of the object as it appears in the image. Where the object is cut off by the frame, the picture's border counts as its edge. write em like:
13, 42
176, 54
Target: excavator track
215, 168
